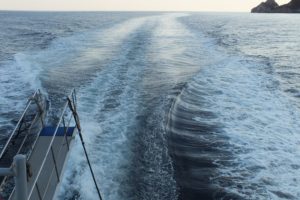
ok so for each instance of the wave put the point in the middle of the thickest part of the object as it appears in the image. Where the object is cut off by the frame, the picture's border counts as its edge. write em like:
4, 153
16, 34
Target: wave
19, 80
125, 154
233, 130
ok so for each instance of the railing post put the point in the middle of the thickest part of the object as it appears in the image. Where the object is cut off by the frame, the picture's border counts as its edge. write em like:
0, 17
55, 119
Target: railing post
19, 167
6, 172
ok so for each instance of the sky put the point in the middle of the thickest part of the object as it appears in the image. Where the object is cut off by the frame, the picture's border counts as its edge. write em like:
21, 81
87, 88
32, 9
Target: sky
132, 5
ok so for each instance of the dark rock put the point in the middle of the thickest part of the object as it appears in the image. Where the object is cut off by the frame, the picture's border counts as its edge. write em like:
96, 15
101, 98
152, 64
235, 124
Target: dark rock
282, 9
295, 4
270, 6
265, 7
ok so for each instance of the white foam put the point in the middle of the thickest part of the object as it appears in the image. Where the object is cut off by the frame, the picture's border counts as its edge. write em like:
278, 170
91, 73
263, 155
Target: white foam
108, 146
171, 45
111, 146
262, 124
19, 79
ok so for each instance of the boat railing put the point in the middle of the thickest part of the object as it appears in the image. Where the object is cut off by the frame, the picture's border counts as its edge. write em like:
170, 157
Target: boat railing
66, 120
35, 99
25, 133
37, 174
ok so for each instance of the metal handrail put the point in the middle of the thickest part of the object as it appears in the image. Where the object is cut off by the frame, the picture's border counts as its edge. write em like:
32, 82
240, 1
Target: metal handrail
49, 148
19, 122
20, 176
54, 169
48, 184
24, 140
20, 148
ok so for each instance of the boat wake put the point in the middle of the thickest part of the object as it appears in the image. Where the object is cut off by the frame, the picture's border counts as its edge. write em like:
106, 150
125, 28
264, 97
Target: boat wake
172, 106
234, 133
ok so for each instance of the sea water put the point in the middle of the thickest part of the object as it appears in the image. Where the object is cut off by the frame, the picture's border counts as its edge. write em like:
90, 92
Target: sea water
172, 105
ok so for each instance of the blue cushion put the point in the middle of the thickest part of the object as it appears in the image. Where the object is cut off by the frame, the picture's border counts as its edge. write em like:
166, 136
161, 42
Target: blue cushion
49, 131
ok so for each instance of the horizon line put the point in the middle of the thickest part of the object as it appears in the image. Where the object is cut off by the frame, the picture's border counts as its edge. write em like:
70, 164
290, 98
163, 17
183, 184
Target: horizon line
41, 10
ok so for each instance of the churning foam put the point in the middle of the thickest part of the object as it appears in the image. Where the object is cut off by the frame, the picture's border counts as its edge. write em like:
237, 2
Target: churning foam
262, 125
19, 79
109, 102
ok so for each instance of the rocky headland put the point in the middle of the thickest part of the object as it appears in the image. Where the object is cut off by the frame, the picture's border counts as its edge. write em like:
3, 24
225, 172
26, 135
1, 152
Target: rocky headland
271, 6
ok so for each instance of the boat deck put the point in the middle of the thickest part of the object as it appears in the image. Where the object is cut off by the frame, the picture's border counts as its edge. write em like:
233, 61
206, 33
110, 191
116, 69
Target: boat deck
51, 171
44, 149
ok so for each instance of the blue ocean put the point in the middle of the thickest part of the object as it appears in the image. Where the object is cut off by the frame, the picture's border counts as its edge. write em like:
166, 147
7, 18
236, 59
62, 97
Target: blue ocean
185, 106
